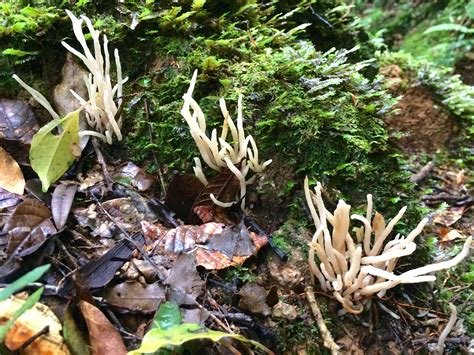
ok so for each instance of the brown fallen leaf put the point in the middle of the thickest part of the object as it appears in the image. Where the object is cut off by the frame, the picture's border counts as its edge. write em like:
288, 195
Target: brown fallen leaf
449, 216
61, 203
31, 323
103, 336
8, 199
133, 296
11, 176
17, 121
185, 280
28, 227
218, 246
224, 187
133, 175
72, 79
180, 239
451, 235
217, 256
181, 194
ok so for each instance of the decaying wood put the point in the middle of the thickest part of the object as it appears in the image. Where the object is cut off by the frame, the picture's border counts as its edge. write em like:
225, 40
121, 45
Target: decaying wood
423, 173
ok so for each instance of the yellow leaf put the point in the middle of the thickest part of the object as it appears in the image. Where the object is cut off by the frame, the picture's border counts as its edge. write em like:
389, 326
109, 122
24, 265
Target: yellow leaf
11, 176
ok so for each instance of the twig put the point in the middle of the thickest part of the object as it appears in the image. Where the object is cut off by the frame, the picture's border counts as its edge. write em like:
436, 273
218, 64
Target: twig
101, 160
413, 306
461, 340
328, 341
150, 132
423, 173
27, 343
126, 235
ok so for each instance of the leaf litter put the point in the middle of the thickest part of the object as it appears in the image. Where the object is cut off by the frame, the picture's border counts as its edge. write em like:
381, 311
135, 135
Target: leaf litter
131, 254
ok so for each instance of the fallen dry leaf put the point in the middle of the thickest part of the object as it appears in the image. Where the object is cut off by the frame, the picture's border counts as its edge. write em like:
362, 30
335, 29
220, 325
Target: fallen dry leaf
185, 279
285, 311
449, 216
61, 203
31, 323
133, 296
133, 175
28, 227
218, 246
11, 176
451, 235
8, 199
181, 194
17, 121
224, 187
103, 336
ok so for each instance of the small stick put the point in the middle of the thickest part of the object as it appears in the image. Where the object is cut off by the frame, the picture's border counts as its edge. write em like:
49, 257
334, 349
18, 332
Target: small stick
385, 299
423, 173
101, 160
28, 342
327, 337
461, 340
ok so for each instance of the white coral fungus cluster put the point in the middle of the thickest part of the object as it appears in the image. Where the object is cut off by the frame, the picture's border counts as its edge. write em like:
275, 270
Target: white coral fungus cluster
239, 156
355, 270
104, 99
102, 105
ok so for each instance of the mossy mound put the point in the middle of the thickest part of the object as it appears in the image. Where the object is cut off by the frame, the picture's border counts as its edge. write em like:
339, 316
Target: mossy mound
315, 112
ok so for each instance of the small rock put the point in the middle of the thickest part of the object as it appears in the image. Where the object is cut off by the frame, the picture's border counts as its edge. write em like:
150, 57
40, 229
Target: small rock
254, 299
287, 275
285, 311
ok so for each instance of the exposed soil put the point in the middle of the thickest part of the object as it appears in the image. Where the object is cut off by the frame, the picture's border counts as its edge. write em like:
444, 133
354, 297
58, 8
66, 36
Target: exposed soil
420, 125
465, 68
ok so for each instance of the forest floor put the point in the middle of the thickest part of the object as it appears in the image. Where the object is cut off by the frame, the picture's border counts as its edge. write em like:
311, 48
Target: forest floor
126, 239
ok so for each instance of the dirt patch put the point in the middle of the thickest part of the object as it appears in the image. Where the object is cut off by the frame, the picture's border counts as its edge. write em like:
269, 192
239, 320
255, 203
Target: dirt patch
420, 124
465, 68
267, 200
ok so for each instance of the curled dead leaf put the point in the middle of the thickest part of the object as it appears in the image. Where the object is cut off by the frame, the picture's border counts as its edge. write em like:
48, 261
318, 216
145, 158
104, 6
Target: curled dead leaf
11, 176
133, 296
217, 246
28, 227
61, 203
103, 336
17, 121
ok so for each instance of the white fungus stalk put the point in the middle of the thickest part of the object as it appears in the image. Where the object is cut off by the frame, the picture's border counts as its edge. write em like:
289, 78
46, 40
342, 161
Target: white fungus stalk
217, 152
102, 105
449, 326
355, 272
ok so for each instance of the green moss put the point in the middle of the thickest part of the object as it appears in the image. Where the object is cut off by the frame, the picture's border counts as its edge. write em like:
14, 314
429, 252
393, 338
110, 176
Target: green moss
241, 274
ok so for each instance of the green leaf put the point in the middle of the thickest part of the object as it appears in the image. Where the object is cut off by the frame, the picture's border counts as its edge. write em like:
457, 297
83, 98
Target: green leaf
448, 27
30, 302
470, 10
75, 340
167, 316
17, 52
159, 338
51, 155
26, 279
197, 5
